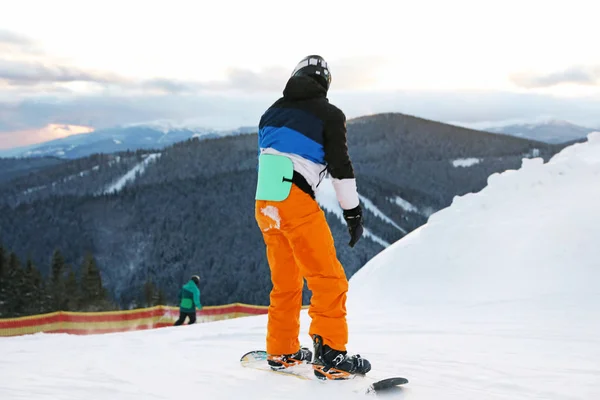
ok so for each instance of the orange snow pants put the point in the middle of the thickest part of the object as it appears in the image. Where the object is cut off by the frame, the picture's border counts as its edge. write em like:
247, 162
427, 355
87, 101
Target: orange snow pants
300, 245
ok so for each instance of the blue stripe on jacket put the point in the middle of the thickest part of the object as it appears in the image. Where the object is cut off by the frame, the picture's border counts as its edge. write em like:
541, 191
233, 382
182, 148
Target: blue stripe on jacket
291, 130
288, 140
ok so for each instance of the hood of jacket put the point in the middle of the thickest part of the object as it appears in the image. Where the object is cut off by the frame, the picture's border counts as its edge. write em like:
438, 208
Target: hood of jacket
190, 285
303, 87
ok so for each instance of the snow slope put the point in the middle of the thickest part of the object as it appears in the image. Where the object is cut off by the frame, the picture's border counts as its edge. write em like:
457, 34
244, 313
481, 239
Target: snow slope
132, 174
496, 297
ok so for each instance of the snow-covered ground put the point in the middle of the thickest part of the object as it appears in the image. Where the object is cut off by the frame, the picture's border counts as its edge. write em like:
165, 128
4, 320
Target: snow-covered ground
496, 297
465, 162
132, 174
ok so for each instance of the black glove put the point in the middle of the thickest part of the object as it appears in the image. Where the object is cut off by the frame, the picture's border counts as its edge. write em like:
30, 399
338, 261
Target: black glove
355, 224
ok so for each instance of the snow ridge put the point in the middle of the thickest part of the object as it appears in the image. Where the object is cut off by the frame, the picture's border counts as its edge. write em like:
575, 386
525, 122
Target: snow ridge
131, 174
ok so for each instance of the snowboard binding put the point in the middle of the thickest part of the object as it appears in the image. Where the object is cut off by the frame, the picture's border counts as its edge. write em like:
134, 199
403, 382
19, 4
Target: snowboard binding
321, 369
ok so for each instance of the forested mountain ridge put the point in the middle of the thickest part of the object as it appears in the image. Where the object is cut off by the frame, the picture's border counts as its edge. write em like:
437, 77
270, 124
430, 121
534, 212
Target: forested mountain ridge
189, 208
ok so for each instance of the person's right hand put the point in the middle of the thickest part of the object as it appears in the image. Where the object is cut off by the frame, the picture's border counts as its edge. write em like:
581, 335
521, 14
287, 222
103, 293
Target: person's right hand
354, 220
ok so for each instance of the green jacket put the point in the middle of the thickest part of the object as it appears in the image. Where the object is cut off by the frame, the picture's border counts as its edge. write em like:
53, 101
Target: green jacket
189, 296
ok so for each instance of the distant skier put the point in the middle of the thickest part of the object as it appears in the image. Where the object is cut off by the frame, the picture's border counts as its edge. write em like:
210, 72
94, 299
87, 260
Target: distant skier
302, 137
189, 297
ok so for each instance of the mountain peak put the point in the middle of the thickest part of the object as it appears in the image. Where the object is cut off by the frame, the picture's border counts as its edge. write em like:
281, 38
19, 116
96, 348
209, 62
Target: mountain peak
136, 136
550, 131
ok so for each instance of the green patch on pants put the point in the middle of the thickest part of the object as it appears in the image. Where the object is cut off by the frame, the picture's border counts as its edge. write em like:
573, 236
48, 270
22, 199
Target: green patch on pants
275, 174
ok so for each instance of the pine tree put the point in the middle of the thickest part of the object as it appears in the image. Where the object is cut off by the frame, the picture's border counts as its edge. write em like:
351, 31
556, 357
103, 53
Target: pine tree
93, 293
3, 280
149, 293
28, 291
33, 290
57, 283
2, 263
40, 304
72, 290
58, 265
161, 298
14, 301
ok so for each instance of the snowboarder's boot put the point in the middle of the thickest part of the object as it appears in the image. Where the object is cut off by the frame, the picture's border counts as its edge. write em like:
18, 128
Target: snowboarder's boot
333, 364
289, 360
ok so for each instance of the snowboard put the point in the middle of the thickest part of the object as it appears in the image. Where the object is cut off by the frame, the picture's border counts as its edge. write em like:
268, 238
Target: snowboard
257, 359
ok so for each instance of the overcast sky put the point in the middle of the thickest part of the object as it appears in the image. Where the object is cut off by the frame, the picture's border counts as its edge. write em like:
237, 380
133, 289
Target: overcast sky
91, 64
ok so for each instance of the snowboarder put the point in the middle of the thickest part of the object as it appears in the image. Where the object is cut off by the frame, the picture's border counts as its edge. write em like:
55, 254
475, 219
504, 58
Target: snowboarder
189, 297
301, 138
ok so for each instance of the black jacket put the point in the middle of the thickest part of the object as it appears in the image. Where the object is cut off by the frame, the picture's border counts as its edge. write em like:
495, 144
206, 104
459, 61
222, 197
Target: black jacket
303, 122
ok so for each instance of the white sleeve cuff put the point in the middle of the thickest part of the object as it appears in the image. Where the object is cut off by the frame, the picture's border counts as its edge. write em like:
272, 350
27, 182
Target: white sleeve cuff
345, 190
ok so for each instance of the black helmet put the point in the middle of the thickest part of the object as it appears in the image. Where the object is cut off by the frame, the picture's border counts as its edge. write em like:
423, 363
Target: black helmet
315, 67
196, 279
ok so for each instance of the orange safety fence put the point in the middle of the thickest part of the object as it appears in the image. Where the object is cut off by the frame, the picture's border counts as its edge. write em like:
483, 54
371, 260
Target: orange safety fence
86, 323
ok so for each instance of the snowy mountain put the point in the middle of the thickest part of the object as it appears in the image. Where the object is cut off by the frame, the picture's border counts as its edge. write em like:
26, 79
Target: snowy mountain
153, 135
495, 298
551, 131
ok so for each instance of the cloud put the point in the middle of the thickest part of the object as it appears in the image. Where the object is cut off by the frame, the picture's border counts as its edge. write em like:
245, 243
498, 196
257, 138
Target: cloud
18, 73
24, 66
24, 69
471, 107
348, 74
100, 111
12, 38
33, 136
15, 44
578, 74
37, 94
356, 72
268, 79
21, 75
37, 90
217, 109
170, 86
220, 111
